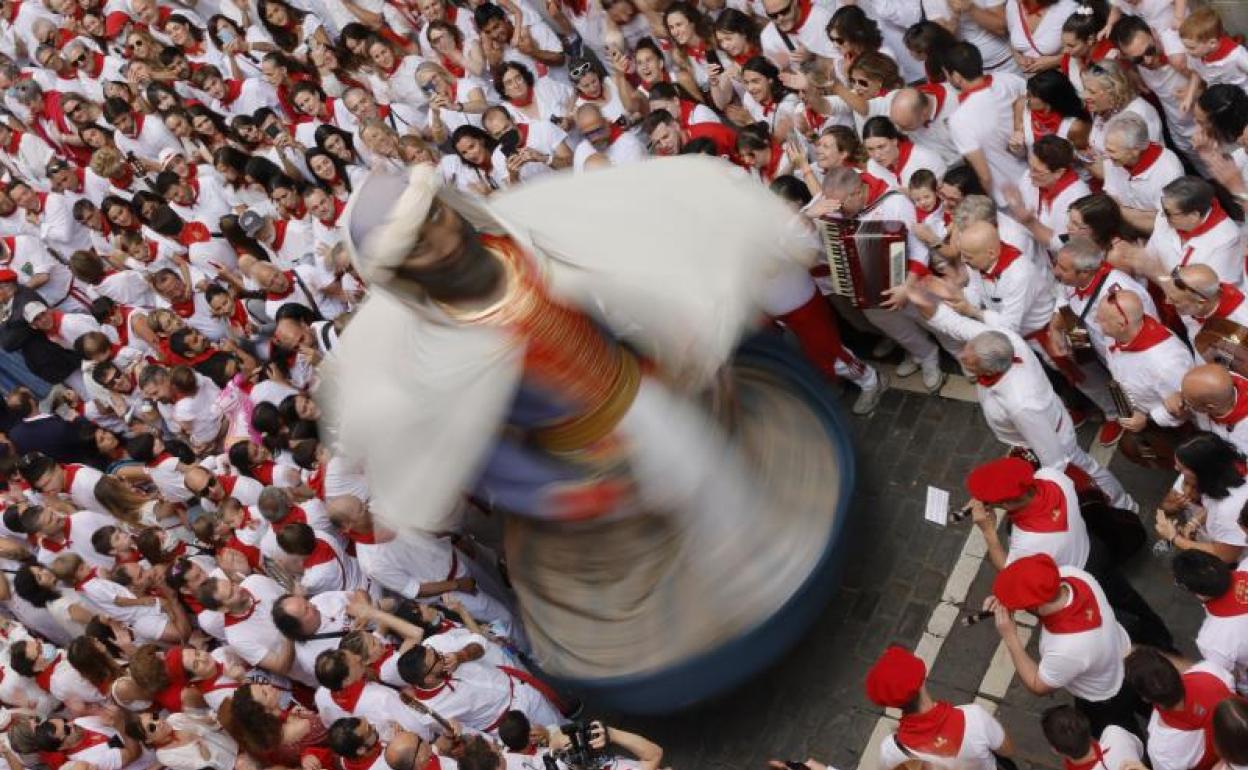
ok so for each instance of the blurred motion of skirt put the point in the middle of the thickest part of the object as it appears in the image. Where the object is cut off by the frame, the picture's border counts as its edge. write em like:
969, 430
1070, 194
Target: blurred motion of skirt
639, 615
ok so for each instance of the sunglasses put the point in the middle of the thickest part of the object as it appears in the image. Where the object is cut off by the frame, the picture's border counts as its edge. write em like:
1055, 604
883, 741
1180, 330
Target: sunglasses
1182, 285
581, 70
780, 14
1149, 53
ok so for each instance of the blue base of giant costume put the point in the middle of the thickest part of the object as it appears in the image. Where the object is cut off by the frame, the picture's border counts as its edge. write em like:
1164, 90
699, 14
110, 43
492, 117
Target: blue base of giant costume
734, 661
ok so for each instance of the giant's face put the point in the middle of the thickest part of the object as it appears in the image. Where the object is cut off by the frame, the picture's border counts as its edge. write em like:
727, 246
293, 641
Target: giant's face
448, 259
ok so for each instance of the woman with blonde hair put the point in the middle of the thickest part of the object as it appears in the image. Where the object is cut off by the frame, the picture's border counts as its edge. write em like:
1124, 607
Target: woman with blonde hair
453, 102
1107, 91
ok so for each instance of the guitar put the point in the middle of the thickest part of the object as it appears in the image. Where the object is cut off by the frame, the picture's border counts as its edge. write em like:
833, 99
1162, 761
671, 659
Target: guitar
1152, 447
1224, 342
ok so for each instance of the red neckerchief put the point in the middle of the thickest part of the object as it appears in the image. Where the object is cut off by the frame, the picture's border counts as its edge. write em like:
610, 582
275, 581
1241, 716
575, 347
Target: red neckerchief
1202, 692
15, 142
1215, 217
1082, 614
1234, 602
904, 148
1046, 512
123, 178
425, 693
937, 92
279, 234
14, 9
1097, 277
398, 62
44, 677
138, 124
57, 318
578, 7
1240, 410
1004, 260
316, 482
184, 308
742, 58
89, 738
804, 7
339, 206
988, 380
876, 189
96, 64
773, 163
768, 106
233, 89
937, 731
1147, 158
365, 538
450, 66
231, 620
1047, 196
347, 697
295, 515
376, 665
1229, 298
602, 97
1226, 47
1098, 757
264, 473
290, 288
984, 84
921, 215
192, 233
249, 552
1152, 333
696, 51
322, 553
91, 575
526, 100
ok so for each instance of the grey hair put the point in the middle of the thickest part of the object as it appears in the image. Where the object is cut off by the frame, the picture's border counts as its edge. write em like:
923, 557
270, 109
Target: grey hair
273, 503
1189, 194
1131, 127
975, 208
994, 351
1085, 254
840, 179
26, 92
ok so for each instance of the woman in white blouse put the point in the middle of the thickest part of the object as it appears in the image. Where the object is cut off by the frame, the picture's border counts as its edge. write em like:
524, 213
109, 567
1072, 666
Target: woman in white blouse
1210, 492
185, 741
1035, 28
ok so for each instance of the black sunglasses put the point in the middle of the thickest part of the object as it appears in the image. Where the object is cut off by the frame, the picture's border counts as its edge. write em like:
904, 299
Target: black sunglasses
1149, 53
1182, 285
780, 14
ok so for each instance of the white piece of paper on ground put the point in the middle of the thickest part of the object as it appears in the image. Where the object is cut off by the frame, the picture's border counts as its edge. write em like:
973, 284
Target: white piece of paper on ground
937, 508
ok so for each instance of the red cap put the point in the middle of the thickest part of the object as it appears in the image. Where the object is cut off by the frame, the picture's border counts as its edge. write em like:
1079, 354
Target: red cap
1027, 583
7, 276
896, 677
1000, 480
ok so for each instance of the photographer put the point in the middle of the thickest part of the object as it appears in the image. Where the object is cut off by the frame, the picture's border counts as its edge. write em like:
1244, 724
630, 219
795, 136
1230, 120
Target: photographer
575, 746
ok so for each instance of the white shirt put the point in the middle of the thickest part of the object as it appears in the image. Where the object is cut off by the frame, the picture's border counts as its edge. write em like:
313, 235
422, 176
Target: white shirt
1089, 664
1149, 376
333, 608
935, 136
1219, 248
1222, 516
1055, 215
381, 706
1223, 640
983, 734
1020, 299
1230, 68
627, 148
1046, 38
1069, 548
1069, 296
984, 122
1141, 187
812, 35
1171, 748
254, 637
920, 157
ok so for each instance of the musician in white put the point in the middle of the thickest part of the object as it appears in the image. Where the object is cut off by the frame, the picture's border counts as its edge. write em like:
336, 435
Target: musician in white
1191, 229
1084, 281
1199, 297
850, 196
1018, 401
1137, 169
1146, 358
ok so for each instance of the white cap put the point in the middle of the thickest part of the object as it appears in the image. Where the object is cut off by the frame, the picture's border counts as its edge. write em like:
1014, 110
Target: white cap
33, 310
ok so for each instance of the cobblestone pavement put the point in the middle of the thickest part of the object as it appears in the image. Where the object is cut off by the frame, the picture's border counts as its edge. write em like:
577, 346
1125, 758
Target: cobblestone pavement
811, 703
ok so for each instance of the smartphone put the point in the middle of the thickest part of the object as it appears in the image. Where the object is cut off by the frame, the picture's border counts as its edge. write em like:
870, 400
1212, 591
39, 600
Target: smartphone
796, 765
273, 130
509, 143
227, 36
428, 88
557, 120
712, 57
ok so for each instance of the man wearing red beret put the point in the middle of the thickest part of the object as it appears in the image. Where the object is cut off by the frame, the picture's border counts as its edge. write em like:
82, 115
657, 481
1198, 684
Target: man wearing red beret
931, 731
1044, 513
1082, 645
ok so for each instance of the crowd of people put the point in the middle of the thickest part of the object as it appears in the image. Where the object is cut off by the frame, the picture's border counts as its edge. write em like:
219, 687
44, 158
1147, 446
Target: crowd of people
192, 577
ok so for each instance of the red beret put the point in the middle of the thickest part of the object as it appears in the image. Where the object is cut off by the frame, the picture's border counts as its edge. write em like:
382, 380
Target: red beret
1006, 479
896, 677
7, 276
1028, 582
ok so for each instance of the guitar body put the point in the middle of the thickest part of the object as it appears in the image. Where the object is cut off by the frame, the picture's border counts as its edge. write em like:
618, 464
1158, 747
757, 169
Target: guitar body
1224, 342
1154, 446
1077, 336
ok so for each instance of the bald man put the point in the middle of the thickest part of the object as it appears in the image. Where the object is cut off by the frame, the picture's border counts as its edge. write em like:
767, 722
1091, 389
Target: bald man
1013, 294
923, 116
1199, 295
604, 143
1146, 359
1219, 401
1017, 399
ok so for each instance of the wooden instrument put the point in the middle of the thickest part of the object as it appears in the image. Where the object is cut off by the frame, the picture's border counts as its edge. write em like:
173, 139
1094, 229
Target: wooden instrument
1077, 336
1224, 342
865, 258
1152, 447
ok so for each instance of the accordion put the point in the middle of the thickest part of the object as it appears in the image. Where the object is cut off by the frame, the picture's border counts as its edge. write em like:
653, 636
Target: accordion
865, 258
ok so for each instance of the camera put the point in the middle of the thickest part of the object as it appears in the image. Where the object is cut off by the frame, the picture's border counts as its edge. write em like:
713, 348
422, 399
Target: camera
580, 754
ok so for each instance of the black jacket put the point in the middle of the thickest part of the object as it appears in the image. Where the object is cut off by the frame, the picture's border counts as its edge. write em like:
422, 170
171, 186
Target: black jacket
45, 359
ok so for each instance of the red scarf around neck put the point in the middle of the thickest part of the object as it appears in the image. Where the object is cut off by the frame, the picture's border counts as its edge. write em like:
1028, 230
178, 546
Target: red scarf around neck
1234, 602
1082, 614
937, 731
1046, 512
1152, 333
1215, 217
1240, 409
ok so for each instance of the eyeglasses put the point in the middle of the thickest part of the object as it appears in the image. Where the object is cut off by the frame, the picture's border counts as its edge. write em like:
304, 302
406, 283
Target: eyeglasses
1149, 53
1112, 297
780, 14
1182, 285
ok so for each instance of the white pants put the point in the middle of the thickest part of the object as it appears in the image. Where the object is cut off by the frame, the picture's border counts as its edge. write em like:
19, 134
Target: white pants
902, 326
